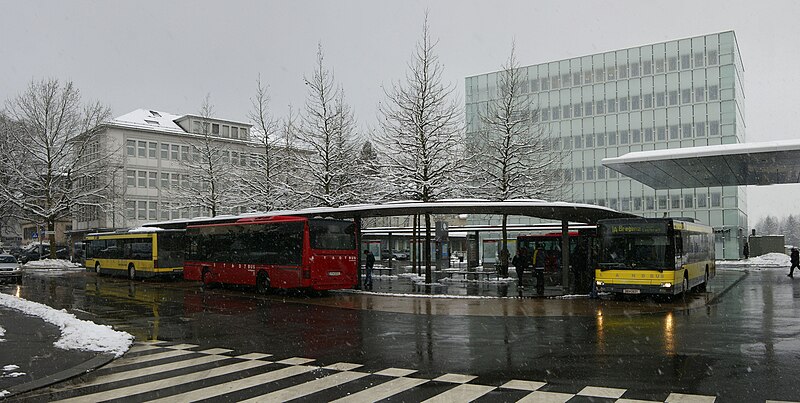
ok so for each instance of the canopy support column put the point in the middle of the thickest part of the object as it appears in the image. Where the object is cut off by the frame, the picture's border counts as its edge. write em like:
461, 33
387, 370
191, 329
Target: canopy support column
565, 255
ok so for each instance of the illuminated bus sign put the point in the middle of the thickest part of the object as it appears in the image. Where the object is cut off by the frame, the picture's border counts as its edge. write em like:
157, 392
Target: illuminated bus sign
639, 228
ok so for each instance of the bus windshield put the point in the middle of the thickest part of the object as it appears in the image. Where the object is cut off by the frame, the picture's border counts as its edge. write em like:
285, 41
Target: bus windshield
331, 235
635, 251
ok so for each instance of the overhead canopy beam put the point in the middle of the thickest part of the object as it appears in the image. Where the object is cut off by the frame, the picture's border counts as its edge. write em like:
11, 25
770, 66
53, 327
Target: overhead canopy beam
767, 163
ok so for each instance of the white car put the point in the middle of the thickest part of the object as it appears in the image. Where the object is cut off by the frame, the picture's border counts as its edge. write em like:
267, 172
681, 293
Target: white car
10, 268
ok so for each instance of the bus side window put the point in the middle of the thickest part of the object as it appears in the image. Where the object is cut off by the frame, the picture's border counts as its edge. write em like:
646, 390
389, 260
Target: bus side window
678, 244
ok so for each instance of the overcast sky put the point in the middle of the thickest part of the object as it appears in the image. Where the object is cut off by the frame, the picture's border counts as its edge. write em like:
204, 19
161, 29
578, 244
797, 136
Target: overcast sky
167, 55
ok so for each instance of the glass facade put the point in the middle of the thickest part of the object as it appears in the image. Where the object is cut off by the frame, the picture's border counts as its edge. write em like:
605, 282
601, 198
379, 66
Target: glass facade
681, 93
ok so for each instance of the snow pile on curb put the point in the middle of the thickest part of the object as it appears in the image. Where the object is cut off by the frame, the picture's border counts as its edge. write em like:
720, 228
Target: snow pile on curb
76, 334
52, 264
764, 261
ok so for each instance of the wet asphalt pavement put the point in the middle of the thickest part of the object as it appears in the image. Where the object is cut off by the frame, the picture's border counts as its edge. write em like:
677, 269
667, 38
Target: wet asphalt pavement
740, 341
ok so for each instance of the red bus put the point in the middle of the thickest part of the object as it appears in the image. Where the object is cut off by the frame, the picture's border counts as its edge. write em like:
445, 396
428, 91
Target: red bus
273, 252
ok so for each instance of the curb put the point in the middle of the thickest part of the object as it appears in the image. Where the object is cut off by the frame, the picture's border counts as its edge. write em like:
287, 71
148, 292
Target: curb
78, 370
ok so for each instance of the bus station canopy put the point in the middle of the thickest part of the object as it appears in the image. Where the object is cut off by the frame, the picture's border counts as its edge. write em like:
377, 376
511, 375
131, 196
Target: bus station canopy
766, 163
558, 211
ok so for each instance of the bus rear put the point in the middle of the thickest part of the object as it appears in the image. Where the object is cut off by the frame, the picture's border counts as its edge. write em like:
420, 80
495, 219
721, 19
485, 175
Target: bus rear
331, 261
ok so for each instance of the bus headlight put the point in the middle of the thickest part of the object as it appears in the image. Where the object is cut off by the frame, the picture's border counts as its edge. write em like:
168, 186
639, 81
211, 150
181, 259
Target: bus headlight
598, 282
666, 285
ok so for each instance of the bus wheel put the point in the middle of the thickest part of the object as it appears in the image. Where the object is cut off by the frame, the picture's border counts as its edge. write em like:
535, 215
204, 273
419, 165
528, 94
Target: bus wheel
97, 268
262, 283
131, 272
703, 287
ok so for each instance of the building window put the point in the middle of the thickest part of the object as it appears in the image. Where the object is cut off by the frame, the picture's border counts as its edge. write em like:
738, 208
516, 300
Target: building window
587, 77
234, 132
623, 104
611, 105
698, 59
130, 178
672, 63
626, 204
635, 103
226, 156
576, 78
688, 201
578, 174
662, 202
590, 140
226, 131
686, 62
660, 99
215, 129
577, 110
164, 151
637, 203
675, 201
716, 199
636, 136
699, 94
623, 137
701, 200
589, 174
612, 174
599, 75
141, 211
634, 69
164, 180
713, 92
152, 210
175, 152
659, 66
612, 203
622, 70
545, 84
601, 172
600, 107
141, 179
612, 138
130, 146
587, 109
713, 128
152, 179
556, 113
673, 98
700, 129
566, 79
130, 210
648, 101
661, 133
175, 181
648, 135
234, 158
142, 149
712, 57
165, 207
601, 139
567, 111
647, 66
687, 130
184, 153
674, 132
649, 203
686, 96
555, 82
534, 85
545, 114
610, 73
578, 142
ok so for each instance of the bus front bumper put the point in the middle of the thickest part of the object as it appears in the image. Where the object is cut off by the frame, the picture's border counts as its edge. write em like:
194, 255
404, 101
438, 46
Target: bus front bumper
664, 288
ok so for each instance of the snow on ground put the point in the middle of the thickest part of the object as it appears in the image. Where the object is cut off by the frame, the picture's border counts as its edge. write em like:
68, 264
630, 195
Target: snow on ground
58, 264
768, 261
76, 334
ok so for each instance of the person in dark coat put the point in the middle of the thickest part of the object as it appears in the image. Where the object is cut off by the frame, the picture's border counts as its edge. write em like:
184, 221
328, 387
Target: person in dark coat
795, 258
369, 263
539, 256
746, 250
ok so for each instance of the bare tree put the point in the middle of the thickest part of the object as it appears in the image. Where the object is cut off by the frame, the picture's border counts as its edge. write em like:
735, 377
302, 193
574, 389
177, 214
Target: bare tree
422, 130
511, 156
262, 183
327, 134
211, 186
57, 161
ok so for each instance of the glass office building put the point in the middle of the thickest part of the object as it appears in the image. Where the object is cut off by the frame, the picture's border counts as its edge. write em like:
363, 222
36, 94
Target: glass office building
680, 93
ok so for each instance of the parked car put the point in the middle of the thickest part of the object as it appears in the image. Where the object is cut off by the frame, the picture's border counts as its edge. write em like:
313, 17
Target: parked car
32, 253
386, 255
400, 255
10, 268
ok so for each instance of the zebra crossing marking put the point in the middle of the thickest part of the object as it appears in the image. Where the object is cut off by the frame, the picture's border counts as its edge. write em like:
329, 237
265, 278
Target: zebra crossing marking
182, 346
461, 393
597, 391
152, 357
382, 391
296, 361
522, 385
216, 351
123, 375
307, 388
343, 366
546, 397
397, 372
686, 398
455, 378
254, 356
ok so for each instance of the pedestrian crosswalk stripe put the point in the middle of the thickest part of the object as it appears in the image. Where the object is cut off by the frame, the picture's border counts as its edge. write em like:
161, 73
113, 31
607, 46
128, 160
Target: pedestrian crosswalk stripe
254, 356
216, 351
522, 385
295, 361
461, 393
119, 376
396, 372
596, 391
138, 348
455, 378
343, 366
237, 385
546, 397
151, 357
382, 391
684, 398
305, 389
182, 346
167, 382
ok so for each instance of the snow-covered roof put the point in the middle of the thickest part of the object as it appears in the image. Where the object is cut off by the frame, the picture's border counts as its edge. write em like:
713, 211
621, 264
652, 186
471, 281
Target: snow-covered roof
149, 119
573, 212
764, 163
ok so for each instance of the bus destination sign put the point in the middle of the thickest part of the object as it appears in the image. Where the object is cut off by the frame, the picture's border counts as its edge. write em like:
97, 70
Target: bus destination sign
639, 228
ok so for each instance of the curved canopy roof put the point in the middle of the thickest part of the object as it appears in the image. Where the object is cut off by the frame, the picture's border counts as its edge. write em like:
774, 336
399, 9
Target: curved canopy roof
767, 163
573, 212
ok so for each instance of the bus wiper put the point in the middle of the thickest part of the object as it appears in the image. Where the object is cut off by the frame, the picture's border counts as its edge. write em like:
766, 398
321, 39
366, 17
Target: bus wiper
607, 266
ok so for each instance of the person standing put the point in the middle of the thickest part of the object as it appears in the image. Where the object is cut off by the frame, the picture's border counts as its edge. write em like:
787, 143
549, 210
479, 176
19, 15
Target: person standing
746, 250
370, 262
795, 258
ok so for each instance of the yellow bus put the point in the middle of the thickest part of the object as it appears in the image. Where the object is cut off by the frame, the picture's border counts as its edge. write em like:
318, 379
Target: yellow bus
143, 252
666, 256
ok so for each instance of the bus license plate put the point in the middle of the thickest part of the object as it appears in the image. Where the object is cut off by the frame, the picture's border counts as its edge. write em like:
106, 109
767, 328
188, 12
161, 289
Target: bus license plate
631, 291
334, 273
